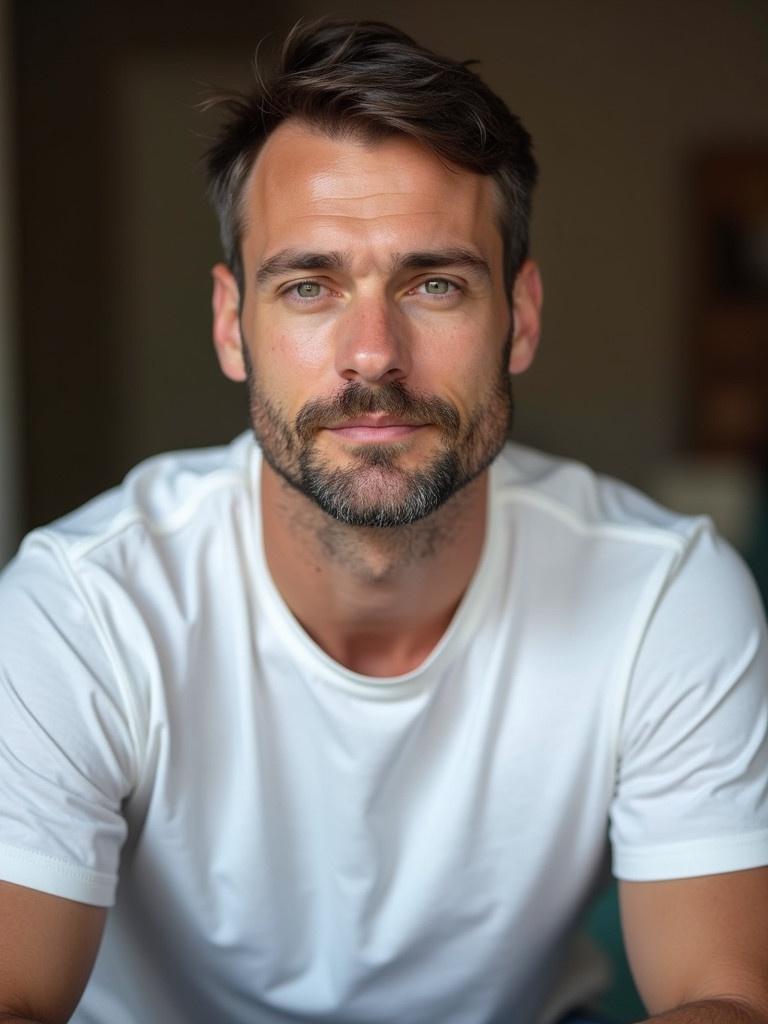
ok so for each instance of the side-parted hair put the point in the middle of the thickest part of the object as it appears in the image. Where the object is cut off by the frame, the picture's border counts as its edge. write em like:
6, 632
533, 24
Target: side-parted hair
369, 81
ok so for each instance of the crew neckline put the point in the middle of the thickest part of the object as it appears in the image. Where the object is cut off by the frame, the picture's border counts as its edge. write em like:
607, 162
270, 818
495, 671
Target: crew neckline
323, 667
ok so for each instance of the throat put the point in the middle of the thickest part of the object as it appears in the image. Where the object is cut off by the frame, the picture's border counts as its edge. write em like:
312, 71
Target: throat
378, 557
376, 600
383, 652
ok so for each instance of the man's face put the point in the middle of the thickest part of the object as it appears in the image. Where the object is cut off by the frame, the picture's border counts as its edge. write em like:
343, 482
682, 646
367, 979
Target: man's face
375, 333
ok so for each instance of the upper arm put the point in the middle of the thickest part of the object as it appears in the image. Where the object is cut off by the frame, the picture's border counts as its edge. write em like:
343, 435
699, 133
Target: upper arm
695, 938
47, 948
67, 756
691, 796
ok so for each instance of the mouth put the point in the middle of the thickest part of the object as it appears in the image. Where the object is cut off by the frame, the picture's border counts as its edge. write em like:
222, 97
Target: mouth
378, 428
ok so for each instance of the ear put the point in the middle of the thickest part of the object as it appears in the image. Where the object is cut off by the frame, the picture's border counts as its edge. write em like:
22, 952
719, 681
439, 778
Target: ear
226, 323
527, 298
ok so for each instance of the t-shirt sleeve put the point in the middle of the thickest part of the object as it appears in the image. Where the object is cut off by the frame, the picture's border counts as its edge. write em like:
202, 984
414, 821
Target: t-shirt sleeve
67, 748
691, 793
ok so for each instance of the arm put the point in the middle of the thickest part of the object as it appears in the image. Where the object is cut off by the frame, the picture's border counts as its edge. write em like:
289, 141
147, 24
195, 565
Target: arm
47, 948
698, 947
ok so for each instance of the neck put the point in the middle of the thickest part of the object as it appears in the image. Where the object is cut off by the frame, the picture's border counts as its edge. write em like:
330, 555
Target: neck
375, 600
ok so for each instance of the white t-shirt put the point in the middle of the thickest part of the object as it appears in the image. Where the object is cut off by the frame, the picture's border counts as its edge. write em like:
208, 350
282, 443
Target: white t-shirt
297, 842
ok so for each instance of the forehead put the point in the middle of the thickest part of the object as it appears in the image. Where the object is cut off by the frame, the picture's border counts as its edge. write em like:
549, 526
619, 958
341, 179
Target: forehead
309, 189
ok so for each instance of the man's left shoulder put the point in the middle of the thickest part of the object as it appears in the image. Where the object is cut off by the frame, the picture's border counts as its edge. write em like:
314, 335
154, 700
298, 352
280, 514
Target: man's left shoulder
590, 503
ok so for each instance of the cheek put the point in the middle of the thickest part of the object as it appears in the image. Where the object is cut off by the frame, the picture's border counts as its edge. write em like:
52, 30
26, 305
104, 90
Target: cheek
291, 363
480, 387
305, 347
462, 356
289, 351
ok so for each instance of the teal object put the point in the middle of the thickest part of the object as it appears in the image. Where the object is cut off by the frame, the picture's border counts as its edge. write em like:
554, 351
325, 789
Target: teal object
621, 1003
756, 552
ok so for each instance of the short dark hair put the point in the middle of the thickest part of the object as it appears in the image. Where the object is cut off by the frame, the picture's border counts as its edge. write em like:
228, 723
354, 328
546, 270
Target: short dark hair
369, 80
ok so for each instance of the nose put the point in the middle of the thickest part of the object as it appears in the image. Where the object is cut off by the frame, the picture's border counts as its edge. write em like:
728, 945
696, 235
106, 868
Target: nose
372, 345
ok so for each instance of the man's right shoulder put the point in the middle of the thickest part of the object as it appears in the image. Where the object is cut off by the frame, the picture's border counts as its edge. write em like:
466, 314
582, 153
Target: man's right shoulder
160, 497
102, 607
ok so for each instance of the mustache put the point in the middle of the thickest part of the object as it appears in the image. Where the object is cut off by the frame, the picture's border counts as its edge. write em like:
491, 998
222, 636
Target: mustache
392, 399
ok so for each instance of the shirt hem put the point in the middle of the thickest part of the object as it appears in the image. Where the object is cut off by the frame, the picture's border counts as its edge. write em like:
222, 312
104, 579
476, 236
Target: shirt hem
56, 877
690, 859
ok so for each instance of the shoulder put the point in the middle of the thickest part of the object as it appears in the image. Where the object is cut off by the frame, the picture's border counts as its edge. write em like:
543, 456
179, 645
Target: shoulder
99, 584
587, 502
687, 597
158, 497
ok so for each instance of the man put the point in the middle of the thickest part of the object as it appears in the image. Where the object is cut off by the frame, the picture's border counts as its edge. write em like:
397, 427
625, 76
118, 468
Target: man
349, 711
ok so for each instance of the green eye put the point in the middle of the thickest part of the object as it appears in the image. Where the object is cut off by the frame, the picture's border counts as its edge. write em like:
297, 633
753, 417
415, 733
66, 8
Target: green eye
437, 286
308, 290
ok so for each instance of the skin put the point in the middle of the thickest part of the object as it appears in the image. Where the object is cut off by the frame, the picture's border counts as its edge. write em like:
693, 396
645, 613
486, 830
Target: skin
380, 598
698, 947
47, 949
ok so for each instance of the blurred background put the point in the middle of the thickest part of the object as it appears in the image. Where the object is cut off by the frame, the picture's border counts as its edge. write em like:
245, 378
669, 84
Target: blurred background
651, 225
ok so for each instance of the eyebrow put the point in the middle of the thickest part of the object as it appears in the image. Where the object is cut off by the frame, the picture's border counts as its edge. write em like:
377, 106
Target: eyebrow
440, 258
290, 260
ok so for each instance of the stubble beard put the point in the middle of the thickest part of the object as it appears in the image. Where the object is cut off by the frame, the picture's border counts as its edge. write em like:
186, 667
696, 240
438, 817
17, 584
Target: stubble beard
376, 490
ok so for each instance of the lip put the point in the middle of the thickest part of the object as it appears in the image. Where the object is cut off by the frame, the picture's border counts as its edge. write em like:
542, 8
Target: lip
374, 420
375, 428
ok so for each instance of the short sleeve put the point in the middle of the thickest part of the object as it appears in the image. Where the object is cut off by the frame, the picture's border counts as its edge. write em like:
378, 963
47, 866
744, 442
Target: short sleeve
691, 794
67, 759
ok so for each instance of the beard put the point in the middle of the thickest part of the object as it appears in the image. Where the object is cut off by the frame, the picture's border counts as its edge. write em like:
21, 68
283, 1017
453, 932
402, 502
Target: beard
376, 490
